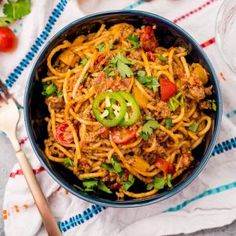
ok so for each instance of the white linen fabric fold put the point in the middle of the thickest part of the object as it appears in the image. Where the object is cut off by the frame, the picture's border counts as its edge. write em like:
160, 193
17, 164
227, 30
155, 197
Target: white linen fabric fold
208, 202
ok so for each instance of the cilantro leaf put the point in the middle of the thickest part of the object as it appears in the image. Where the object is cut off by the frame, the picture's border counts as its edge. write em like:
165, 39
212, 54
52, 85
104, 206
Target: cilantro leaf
162, 58
148, 81
49, 89
60, 94
148, 128
122, 63
150, 186
116, 165
16, 10
107, 166
5, 21
168, 122
193, 127
129, 183
124, 70
159, 183
168, 180
213, 106
83, 61
68, 162
101, 47
90, 184
101, 186
176, 101
134, 40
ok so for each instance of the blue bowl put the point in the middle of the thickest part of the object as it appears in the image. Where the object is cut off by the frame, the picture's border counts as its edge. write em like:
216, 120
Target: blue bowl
168, 34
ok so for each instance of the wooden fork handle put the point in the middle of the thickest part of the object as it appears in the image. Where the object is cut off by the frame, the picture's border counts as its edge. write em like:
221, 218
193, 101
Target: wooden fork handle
40, 200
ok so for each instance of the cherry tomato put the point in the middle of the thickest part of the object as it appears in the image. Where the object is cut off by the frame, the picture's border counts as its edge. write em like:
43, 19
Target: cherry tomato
121, 135
7, 39
63, 134
168, 89
165, 166
148, 39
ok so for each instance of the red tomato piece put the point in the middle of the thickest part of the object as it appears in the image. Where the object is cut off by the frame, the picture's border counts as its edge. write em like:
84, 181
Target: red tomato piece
116, 186
8, 39
168, 89
148, 39
121, 135
63, 134
165, 166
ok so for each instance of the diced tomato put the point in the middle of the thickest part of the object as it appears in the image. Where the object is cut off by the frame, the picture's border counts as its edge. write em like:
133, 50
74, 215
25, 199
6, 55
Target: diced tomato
8, 39
165, 166
150, 56
63, 134
116, 186
148, 39
121, 135
168, 89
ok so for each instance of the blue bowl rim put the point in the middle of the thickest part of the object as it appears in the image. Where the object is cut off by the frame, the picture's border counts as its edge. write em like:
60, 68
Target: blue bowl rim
155, 198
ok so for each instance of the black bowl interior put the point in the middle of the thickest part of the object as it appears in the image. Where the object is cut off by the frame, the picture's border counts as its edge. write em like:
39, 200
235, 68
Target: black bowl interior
168, 36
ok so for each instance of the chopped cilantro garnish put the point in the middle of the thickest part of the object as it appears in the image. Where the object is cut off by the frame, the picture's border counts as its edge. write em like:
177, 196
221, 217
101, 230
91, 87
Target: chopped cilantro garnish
162, 58
68, 162
107, 166
148, 81
129, 183
14, 10
176, 101
134, 40
168, 122
60, 94
159, 182
91, 184
193, 127
83, 61
101, 186
116, 165
122, 63
148, 128
49, 89
101, 47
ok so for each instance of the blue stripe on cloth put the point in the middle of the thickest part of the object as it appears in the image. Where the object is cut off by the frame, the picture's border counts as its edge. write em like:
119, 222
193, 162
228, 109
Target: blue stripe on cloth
134, 5
231, 114
224, 146
208, 192
40, 40
80, 218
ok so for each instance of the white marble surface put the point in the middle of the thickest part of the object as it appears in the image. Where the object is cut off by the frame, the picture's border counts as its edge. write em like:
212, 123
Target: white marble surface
7, 160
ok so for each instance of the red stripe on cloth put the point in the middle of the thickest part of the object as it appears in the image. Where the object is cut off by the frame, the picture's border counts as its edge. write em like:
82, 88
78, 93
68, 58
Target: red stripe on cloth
192, 12
23, 140
208, 42
19, 172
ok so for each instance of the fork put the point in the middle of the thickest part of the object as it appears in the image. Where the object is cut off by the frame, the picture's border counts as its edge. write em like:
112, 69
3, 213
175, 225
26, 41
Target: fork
9, 117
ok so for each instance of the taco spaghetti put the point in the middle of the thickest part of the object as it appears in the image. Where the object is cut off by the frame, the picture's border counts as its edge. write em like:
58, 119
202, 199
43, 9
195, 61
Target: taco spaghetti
124, 110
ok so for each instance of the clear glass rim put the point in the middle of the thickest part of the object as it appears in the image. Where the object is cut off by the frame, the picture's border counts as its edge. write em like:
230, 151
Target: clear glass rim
217, 34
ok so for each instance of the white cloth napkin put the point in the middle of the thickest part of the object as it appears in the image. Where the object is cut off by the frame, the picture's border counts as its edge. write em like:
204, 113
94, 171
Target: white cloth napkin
208, 202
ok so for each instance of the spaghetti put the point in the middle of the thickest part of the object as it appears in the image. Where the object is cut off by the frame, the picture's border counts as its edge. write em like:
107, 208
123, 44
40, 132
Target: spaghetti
124, 110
